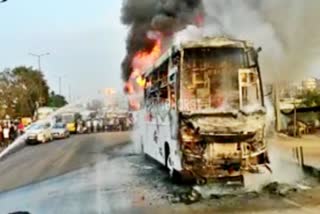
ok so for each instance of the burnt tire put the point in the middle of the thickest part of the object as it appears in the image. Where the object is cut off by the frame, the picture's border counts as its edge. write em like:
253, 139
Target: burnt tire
201, 181
176, 177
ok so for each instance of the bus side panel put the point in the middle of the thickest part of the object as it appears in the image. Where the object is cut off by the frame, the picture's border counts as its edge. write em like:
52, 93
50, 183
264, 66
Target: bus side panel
150, 144
174, 144
163, 137
176, 155
157, 134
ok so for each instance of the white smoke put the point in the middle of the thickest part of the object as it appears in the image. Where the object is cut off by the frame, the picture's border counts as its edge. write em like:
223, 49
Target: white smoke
286, 30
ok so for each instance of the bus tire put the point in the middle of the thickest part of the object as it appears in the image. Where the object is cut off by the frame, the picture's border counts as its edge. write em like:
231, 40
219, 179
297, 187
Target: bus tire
142, 146
166, 154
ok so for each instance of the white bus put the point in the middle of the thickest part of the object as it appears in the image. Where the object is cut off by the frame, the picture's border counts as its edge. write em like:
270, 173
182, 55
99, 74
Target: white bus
204, 112
43, 112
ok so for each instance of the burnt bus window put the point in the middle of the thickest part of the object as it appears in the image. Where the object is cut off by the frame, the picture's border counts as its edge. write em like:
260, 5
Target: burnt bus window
172, 97
157, 90
209, 79
250, 92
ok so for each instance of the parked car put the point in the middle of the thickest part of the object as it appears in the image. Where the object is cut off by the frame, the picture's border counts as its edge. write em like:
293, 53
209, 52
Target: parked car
60, 131
38, 133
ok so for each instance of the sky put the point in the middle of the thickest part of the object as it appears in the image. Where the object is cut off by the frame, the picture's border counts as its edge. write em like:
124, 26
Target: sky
85, 39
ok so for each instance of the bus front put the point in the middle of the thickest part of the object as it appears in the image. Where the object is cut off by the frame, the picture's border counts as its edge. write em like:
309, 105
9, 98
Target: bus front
222, 114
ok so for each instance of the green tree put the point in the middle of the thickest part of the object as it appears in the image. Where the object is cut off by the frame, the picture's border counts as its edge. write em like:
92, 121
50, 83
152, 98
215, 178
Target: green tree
56, 100
310, 98
23, 89
8, 93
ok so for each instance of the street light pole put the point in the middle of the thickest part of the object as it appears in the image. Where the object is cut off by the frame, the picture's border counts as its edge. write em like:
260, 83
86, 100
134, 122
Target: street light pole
69, 93
60, 83
39, 58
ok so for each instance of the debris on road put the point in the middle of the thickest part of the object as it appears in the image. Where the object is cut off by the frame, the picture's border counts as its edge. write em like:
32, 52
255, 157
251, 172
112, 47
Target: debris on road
281, 189
189, 197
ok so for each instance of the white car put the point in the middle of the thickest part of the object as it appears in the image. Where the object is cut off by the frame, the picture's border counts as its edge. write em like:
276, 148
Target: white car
39, 133
60, 131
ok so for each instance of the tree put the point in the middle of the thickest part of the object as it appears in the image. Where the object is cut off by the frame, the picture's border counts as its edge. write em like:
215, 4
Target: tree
310, 98
56, 100
23, 89
8, 93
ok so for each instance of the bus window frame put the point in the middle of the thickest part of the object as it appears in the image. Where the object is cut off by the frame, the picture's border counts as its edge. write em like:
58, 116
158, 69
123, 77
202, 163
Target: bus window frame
248, 83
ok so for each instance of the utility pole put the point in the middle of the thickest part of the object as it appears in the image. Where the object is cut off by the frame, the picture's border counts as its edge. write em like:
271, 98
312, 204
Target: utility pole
295, 120
69, 93
38, 56
277, 106
60, 84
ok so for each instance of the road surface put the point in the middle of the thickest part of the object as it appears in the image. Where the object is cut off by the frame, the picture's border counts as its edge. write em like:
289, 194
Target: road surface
40, 162
99, 173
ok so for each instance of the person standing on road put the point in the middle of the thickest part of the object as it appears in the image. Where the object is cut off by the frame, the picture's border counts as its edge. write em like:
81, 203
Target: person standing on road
20, 128
116, 124
13, 131
6, 135
1, 136
95, 125
88, 125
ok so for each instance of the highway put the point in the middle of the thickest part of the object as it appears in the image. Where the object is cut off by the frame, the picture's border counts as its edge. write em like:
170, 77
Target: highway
100, 173
36, 163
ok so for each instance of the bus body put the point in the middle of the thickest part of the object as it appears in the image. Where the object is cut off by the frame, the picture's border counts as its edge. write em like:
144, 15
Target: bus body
69, 118
43, 112
203, 111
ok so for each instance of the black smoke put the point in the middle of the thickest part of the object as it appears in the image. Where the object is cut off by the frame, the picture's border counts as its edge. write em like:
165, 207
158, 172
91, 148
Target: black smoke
143, 16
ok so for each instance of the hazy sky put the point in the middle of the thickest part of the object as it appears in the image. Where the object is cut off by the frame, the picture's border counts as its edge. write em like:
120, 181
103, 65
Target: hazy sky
85, 39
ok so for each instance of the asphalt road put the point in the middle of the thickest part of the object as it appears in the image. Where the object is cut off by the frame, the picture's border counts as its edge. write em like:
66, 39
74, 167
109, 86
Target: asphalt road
36, 163
100, 173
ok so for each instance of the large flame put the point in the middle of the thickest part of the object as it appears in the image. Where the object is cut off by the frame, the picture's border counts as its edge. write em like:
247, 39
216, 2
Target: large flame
141, 61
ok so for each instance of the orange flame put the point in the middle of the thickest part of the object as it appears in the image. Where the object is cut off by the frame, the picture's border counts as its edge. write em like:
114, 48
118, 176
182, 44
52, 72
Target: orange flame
134, 104
128, 88
141, 61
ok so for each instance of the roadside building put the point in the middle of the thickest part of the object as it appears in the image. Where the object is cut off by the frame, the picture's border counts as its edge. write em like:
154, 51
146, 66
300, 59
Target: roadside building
311, 84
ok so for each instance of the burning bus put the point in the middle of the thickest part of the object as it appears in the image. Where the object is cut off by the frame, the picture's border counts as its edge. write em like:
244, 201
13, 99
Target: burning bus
204, 111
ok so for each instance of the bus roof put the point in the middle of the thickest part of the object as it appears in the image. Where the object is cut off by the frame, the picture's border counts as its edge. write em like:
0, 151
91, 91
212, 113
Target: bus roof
216, 42
205, 42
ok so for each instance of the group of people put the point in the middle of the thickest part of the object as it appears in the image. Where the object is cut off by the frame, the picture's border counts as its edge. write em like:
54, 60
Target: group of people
100, 125
119, 124
89, 126
9, 131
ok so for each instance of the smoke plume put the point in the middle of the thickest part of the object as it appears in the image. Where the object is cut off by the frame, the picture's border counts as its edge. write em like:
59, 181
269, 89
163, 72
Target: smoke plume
164, 16
286, 30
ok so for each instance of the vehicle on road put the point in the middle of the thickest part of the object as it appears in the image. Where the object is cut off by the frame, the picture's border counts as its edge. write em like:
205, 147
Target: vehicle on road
69, 118
26, 121
204, 113
116, 121
60, 131
39, 133
43, 112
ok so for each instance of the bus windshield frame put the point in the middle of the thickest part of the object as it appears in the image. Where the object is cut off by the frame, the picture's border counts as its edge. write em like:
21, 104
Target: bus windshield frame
217, 79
